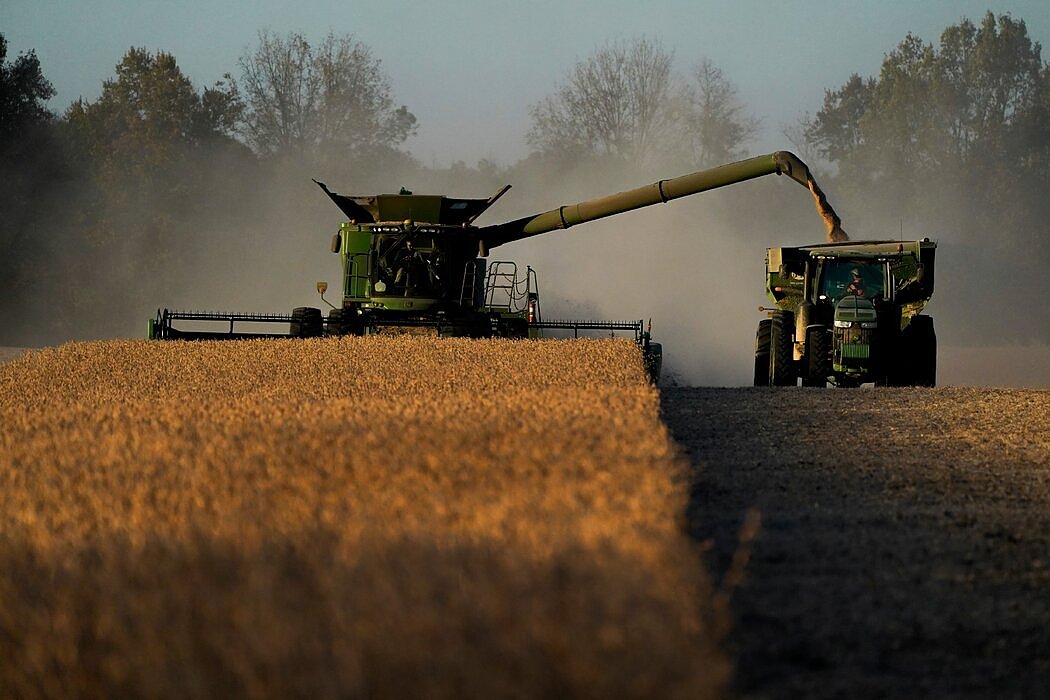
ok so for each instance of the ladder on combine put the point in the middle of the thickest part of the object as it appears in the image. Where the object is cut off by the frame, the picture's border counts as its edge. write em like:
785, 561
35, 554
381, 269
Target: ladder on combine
504, 290
357, 275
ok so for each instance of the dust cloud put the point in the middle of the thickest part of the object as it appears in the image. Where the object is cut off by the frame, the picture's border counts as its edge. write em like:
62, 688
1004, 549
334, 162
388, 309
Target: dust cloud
695, 266
255, 238
241, 235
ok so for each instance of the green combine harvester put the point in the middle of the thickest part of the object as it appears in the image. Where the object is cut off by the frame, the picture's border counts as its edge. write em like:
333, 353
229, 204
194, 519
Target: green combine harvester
418, 263
848, 313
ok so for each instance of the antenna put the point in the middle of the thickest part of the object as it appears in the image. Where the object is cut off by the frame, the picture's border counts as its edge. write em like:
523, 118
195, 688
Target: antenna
902, 229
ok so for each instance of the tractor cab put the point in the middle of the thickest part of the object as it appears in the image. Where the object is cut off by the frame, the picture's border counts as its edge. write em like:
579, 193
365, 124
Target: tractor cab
838, 278
848, 312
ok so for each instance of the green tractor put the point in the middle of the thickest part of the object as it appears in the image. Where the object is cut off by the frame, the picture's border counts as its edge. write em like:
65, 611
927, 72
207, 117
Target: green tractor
848, 313
417, 263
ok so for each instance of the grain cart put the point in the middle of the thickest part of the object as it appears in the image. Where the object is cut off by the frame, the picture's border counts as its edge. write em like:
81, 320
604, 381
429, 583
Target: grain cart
418, 262
848, 313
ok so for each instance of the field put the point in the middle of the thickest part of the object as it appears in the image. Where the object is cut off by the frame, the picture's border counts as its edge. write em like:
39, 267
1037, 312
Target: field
346, 517
403, 517
904, 547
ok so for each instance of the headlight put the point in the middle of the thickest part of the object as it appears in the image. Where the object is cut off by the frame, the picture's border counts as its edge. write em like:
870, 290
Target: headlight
869, 324
843, 324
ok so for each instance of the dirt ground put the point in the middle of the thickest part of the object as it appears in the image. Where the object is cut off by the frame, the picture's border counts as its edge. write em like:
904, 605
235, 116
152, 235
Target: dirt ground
904, 546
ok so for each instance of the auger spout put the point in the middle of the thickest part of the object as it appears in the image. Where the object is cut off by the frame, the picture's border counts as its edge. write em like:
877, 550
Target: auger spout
780, 162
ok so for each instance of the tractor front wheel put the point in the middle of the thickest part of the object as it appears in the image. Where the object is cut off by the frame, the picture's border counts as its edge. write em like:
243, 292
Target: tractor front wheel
762, 338
818, 357
781, 349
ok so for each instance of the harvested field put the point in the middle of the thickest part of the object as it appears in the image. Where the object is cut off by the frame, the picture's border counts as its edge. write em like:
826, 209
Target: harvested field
345, 517
904, 548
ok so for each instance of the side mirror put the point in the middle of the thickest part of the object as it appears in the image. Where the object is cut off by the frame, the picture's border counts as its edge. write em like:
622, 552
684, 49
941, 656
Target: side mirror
336, 241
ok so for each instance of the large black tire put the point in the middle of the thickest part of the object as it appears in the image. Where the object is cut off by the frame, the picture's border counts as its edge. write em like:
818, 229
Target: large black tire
915, 355
888, 369
762, 352
335, 322
924, 347
517, 328
306, 322
818, 357
781, 349
899, 370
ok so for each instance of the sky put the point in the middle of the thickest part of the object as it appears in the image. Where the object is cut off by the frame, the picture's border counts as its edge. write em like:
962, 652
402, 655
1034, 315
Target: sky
469, 71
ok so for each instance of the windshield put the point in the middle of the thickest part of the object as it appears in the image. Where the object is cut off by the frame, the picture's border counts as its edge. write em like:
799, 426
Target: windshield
408, 266
843, 278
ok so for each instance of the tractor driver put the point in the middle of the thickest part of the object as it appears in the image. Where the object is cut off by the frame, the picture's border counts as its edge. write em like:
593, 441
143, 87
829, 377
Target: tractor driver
412, 270
866, 282
856, 286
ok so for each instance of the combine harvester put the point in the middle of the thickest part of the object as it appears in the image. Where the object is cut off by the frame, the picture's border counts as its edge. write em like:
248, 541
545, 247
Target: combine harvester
418, 262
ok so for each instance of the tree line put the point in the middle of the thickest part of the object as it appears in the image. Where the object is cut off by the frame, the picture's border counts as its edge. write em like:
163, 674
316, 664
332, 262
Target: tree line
127, 196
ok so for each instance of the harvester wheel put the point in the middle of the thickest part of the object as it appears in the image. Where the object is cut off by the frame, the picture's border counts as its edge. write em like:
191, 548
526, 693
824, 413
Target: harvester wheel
335, 322
781, 349
818, 357
513, 328
762, 352
306, 322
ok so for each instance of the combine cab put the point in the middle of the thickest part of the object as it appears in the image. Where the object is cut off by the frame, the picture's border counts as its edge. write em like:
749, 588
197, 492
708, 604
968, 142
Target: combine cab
417, 263
848, 313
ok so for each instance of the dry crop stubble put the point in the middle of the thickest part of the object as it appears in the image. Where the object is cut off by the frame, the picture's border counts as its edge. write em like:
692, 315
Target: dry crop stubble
380, 516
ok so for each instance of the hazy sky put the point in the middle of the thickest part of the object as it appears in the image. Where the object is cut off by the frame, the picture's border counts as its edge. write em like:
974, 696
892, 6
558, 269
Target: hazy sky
470, 70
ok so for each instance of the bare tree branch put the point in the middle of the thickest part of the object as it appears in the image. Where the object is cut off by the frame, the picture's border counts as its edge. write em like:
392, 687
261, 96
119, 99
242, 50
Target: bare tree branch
332, 101
625, 101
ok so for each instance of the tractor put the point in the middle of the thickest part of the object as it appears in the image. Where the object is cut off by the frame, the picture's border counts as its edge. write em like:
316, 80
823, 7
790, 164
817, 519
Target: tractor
848, 313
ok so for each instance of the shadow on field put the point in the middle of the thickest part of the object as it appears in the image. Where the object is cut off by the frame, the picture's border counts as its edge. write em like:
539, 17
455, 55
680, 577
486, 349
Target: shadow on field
903, 544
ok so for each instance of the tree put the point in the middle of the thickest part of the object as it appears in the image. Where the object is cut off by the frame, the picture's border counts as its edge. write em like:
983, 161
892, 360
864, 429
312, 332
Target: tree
150, 116
955, 135
716, 122
836, 130
616, 102
23, 90
155, 150
31, 162
330, 101
974, 99
625, 102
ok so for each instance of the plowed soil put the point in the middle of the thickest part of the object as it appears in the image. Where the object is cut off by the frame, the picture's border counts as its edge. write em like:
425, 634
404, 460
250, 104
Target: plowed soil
904, 545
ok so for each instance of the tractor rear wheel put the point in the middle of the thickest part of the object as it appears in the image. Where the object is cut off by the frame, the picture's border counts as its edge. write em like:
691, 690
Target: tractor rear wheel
818, 357
924, 351
782, 350
762, 352
306, 322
